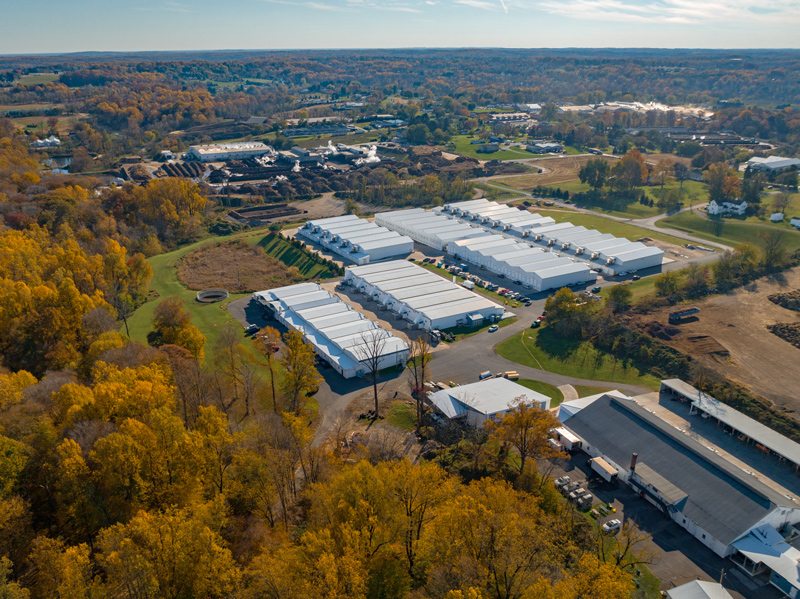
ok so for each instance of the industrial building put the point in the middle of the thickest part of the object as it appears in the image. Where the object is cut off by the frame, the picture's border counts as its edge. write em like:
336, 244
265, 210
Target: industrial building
773, 164
357, 239
425, 300
485, 400
600, 252
725, 508
341, 336
536, 268
231, 151
427, 228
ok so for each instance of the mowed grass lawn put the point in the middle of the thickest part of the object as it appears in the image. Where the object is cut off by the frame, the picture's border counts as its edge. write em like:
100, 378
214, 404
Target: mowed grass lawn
727, 232
607, 225
546, 350
465, 148
210, 318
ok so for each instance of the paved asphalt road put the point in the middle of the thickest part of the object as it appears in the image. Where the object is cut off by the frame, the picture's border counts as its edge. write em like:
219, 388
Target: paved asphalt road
460, 362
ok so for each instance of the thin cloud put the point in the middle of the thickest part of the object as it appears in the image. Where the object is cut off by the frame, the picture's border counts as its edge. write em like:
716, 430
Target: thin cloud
674, 11
478, 4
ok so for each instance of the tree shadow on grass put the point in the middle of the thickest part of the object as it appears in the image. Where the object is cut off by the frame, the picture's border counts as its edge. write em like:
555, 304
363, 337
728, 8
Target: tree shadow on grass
555, 345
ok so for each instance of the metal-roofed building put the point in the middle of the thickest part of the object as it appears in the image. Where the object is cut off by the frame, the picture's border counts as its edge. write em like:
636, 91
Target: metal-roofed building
485, 400
230, 151
356, 239
340, 335
424, 299
428, 228
773, 164
535, 267
585, 245
736, 422
712, 499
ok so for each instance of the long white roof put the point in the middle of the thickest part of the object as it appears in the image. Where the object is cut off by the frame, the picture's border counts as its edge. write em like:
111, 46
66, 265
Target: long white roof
336, 330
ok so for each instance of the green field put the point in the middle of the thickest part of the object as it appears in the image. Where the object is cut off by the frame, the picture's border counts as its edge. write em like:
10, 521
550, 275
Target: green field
37, 79
768, 200
465, 148
210, 318
727, 232
607, 225
587, 390
556, 397
356, 138
402, 416
544, 349
570, 151
277, 247
494, 194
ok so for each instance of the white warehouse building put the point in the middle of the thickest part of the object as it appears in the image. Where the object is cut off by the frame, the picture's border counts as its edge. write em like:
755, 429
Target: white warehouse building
599, 251
537, 268
428, 228
489, 399
357, 239
231, 151
340, 335
424, 299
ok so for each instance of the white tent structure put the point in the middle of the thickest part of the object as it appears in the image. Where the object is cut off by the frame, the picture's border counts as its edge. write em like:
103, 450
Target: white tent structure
356, 239
424, 299
340, 335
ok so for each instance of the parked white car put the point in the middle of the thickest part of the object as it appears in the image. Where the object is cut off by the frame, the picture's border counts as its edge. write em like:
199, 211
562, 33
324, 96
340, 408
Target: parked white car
612, 526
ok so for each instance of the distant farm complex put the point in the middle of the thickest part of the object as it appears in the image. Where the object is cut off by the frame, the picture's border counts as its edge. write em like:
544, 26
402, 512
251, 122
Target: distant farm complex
230, 151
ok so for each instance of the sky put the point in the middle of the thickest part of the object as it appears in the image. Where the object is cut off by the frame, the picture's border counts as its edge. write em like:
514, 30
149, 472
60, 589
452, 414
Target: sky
55, 26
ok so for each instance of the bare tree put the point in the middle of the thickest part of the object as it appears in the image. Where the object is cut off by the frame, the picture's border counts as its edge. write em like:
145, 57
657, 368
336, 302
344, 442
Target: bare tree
266, 341
373, 344
774, 256
782, 202
420, 356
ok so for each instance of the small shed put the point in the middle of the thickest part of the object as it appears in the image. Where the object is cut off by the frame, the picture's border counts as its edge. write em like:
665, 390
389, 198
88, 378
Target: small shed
776, 217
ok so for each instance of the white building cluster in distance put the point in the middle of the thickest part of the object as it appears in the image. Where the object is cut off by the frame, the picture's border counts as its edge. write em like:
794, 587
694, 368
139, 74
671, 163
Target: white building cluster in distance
357, 239
340, 335
229, 151
424, 299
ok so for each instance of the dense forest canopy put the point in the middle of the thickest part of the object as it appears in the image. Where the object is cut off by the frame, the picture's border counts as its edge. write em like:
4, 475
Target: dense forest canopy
769, 77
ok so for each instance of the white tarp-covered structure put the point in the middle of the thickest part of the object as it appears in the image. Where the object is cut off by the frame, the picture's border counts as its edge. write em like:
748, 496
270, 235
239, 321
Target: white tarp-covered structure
536, 268
427, 228
421, 297
340, 335
600, 251
357, 239
485, 400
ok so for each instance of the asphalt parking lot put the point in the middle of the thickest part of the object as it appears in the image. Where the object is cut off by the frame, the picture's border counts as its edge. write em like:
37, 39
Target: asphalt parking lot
681, 558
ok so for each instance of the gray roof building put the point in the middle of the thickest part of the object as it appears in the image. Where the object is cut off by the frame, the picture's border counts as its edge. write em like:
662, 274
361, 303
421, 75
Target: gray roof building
711, 498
